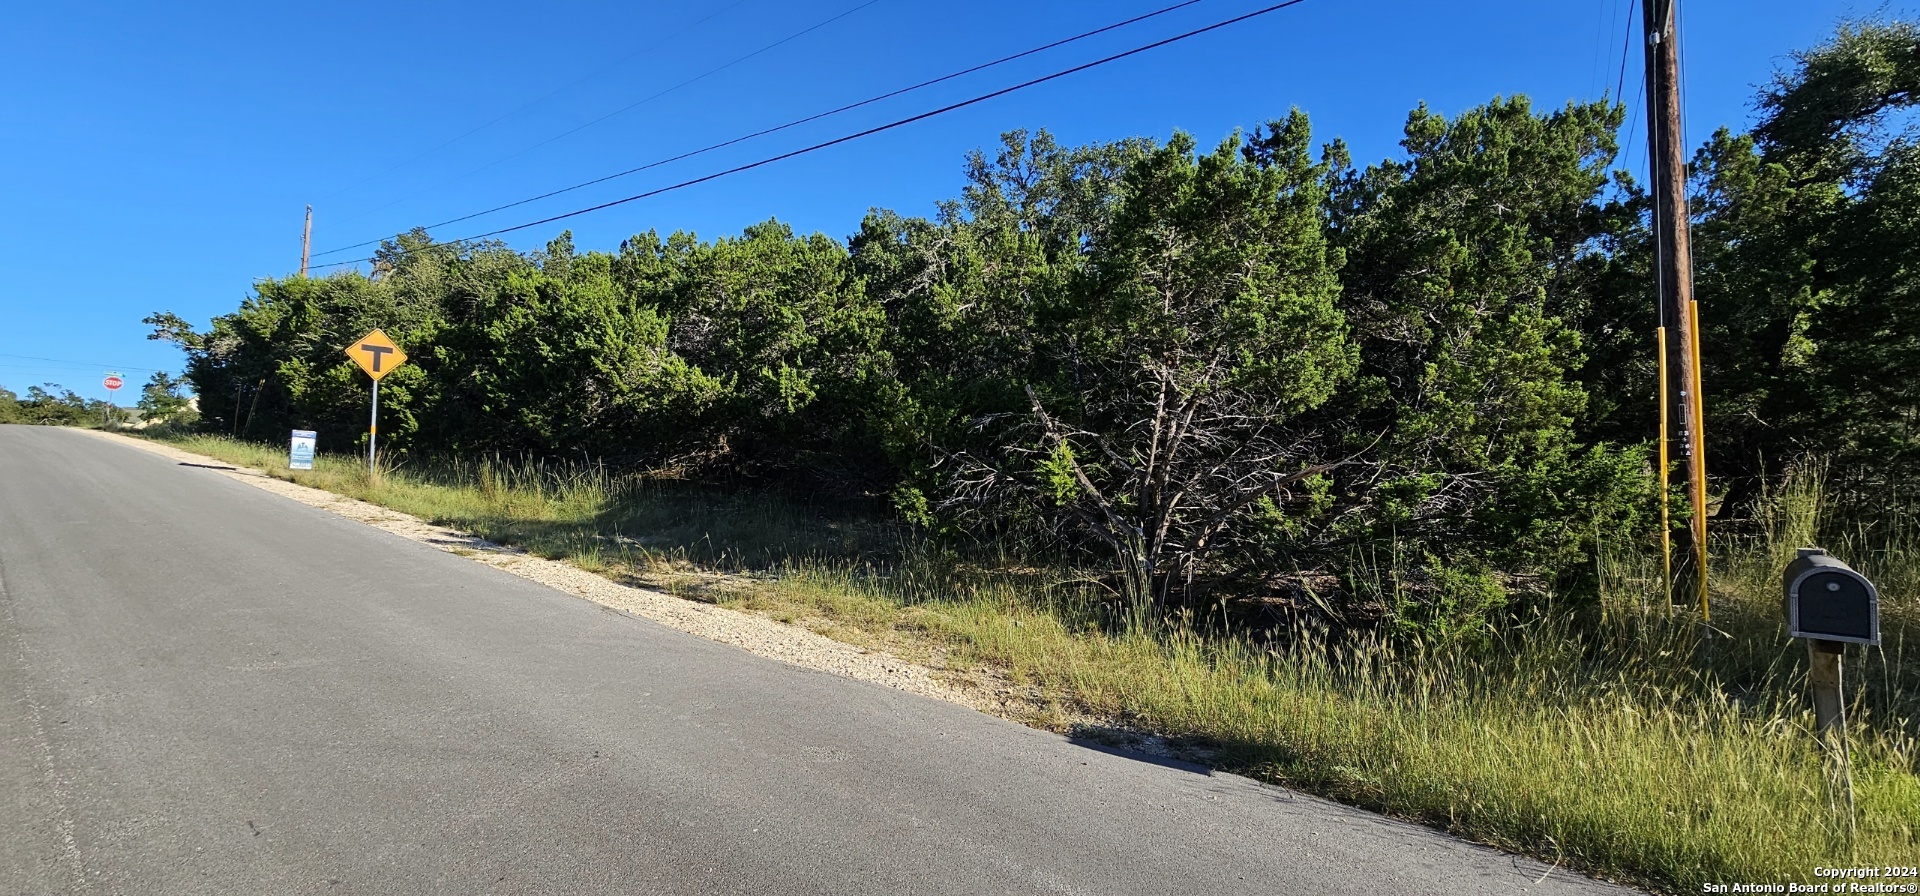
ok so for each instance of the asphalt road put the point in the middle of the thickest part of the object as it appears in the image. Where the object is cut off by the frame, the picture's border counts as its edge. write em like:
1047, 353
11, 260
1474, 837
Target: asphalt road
208, 689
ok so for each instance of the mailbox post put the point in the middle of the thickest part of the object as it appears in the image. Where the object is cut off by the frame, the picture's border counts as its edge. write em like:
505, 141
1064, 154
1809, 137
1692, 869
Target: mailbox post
1829, 606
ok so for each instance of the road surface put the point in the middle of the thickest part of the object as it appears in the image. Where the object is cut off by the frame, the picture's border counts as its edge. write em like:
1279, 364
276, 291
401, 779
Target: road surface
209, 689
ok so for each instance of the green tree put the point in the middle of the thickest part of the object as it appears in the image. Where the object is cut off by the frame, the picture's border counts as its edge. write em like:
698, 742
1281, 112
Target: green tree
161, 398
1805, 251
967, 296
279, 361
50, 404
1178, 336
1465, 262
556, 357
783, 338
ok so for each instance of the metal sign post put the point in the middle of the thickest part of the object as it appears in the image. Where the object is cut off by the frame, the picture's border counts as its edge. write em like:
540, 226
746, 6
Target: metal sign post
113, 382
373, 425
378, 356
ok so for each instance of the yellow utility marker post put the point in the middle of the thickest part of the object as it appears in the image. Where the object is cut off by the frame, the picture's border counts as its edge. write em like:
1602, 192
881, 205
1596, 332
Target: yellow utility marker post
378, 356
1666, 466
1699, 482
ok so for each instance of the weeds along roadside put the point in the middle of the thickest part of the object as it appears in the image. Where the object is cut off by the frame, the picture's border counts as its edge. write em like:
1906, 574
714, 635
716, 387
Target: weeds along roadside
1614, 741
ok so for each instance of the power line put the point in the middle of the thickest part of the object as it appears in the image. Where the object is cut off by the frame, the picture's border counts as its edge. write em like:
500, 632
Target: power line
1605, 32
874, 130
620, 111
77, 363
35, 369
1640, 96
795, 123
1626, 42
531, 103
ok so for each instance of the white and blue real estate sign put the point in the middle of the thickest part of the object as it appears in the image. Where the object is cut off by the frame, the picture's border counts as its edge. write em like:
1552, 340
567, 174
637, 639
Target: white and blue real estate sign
301, 457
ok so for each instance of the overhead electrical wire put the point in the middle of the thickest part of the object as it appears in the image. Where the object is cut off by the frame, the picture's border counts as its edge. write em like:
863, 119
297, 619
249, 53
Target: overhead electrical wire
531, 103
1626, 43
620, 111
873, 130
791, 124
78, 363
1604, 30
1639, 96
31, 371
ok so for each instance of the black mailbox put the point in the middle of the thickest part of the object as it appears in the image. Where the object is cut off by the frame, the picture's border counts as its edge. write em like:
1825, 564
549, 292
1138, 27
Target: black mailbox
1827, 601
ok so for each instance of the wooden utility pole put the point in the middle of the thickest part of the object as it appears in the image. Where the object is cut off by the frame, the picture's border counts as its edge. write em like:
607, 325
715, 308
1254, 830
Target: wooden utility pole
1683, 424
306, 242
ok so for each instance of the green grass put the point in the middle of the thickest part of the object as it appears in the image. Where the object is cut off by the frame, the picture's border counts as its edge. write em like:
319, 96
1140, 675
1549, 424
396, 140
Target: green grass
1617, 741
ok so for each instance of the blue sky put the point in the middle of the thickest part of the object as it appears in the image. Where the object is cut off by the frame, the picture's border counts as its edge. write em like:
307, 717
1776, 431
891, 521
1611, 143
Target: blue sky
160, 156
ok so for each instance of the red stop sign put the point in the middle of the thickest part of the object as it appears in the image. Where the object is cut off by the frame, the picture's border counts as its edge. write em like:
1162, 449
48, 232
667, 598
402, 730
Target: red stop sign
113, 383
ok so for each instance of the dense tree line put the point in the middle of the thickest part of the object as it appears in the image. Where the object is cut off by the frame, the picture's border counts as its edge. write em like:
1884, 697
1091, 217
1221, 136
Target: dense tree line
52, 404
49, 405
1256, 365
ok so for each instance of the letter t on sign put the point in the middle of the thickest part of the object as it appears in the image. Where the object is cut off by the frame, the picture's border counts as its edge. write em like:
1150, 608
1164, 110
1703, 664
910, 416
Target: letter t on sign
377, 351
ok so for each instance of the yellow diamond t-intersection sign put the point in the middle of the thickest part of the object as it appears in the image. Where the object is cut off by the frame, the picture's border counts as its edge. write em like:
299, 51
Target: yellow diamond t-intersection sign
376, 354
